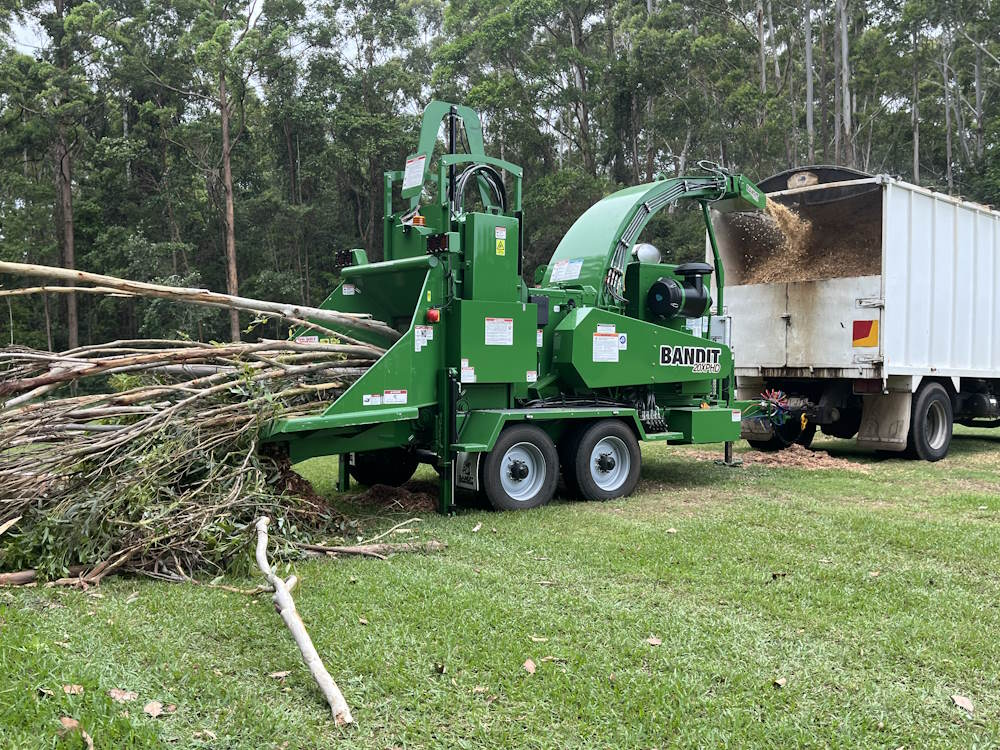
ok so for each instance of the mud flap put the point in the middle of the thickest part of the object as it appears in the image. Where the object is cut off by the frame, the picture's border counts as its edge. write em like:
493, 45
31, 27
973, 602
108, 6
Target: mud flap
467, 471
885, 421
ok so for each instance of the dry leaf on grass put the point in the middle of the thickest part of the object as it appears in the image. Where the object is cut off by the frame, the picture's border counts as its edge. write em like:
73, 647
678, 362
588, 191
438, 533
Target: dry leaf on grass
477, 527
69, 724
874, 573
122, 696
479, 689
671, 530
780, 682
207, 733
362, 621
45, 691
653, 641
538, 639
73, 689
529, 666
558, 659
153, 709
280, 675
964, 703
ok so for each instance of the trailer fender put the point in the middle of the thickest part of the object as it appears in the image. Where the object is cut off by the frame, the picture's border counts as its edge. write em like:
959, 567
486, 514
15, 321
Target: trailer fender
481, 428
885, 421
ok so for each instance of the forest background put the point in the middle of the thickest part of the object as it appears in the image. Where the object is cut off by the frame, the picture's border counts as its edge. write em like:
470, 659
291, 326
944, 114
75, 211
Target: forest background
237, 146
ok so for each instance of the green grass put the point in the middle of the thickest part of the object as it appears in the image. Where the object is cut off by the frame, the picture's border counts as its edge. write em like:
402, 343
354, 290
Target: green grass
768, 575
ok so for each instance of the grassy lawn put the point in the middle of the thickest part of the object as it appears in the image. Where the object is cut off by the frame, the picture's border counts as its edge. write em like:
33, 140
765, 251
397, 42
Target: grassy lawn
874, 594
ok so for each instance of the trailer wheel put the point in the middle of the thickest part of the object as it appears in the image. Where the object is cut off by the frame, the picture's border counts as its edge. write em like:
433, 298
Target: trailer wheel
608, 461
390, 466
931, 421
522, 469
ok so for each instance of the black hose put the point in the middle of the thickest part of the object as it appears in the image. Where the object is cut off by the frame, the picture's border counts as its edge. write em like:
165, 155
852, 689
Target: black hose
492, 178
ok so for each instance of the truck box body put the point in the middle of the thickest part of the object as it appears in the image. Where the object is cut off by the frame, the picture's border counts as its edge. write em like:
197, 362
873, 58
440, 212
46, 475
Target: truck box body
893, 291
930, 307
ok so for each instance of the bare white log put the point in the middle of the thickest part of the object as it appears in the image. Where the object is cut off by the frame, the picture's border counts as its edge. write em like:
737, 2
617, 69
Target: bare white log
204, 297
286, 608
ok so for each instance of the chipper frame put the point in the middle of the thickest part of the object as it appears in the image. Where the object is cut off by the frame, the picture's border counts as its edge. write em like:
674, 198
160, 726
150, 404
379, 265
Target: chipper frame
484, 377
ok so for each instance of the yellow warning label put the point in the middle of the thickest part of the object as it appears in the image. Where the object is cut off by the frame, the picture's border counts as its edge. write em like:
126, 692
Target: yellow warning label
501, 247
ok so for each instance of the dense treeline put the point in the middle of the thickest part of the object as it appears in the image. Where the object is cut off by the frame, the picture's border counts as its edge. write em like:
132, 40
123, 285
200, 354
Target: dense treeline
237, 145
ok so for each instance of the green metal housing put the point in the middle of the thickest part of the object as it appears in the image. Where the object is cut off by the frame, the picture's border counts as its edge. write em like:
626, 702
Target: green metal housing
480, 349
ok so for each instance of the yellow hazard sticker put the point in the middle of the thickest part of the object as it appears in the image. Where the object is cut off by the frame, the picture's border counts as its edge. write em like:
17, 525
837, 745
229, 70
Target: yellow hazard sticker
501, 247
428, 295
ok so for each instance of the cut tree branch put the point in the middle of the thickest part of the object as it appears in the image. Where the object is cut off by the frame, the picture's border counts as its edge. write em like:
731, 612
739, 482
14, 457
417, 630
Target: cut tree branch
286, 608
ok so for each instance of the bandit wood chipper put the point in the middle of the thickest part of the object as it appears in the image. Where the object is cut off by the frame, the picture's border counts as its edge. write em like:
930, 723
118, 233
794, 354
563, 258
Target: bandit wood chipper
501, 386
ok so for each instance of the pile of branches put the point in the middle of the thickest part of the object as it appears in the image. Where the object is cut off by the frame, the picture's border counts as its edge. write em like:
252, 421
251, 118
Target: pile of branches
147, 455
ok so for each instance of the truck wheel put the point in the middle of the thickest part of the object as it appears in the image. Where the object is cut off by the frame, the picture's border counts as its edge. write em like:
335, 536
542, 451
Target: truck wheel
931, 421
784, 436
607, 461
522, 469
390, 466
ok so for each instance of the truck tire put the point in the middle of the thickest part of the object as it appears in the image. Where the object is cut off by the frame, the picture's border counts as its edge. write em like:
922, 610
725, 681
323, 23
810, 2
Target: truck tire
608, 461
784, 436
522, 469
931, 422
390, 466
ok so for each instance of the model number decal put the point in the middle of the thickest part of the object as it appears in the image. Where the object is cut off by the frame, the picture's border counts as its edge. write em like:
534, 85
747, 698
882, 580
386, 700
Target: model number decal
698, 358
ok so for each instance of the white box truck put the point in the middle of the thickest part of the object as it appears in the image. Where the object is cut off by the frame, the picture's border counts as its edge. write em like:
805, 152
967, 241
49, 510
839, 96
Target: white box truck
883, 323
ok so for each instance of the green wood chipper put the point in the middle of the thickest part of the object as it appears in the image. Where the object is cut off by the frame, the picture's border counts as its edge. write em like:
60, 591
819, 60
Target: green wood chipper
502, 386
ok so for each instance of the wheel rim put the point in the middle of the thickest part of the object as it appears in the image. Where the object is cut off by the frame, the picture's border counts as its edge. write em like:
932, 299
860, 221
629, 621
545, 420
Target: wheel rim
610, 463
522, 471
936, 425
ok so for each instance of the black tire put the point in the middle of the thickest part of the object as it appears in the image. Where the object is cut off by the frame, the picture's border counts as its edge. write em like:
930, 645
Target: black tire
567, 459
521, 448
931, 423
390, 466
846, 427
785, 435
597, 481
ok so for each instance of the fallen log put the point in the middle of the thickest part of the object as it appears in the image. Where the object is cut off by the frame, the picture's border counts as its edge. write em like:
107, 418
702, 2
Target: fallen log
285, 605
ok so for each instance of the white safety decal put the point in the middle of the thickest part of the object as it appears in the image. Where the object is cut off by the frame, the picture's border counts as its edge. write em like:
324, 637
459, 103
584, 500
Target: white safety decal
499, 331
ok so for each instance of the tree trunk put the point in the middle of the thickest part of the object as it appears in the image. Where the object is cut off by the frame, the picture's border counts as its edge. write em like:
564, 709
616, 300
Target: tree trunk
762, 46
64, 182
810, 103
232, 283
845, 77
949, 177
824, 112
915, 111
979, 103
837, 100
581, 107
774, 41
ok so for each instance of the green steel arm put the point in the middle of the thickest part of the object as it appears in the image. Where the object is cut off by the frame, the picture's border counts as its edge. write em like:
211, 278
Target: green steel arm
720, 271
434, 113
600, 240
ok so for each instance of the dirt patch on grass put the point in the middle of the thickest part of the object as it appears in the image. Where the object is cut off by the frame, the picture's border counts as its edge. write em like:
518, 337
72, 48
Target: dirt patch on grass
415, 496
793, 457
